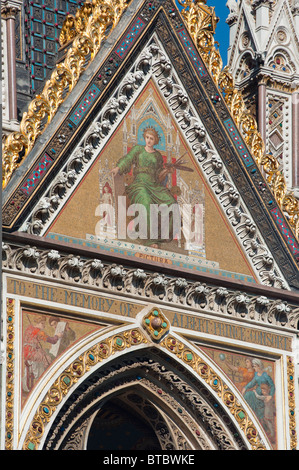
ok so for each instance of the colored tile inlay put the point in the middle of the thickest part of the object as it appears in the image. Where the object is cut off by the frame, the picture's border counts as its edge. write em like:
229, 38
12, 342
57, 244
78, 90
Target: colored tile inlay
247, 159
36, 174
127, 42
193, 54
85, 104
286, 232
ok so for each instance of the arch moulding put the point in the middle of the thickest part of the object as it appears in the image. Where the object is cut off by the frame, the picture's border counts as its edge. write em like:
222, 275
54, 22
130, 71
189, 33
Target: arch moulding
99, 352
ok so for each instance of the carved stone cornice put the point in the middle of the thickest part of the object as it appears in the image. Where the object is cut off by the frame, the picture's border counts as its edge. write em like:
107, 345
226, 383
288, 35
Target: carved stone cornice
231, 19
256, 3
204, 39
201, 22
251, 303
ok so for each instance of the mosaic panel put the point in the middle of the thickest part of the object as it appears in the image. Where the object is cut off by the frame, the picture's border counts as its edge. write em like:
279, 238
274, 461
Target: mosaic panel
45, 338
255, 380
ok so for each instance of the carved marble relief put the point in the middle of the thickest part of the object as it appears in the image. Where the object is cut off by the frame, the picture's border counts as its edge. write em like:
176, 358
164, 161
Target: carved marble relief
148, 285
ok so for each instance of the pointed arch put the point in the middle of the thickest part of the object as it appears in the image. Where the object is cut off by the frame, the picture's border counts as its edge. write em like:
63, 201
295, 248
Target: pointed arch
246, 59
175, 359
286, 63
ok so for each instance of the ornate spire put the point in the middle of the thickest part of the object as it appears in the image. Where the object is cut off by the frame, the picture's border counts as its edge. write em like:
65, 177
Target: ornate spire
233, 7
202, 32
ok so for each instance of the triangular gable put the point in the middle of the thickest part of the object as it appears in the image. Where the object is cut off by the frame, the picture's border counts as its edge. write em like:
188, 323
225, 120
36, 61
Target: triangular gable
156, 47
282, 17
245, 22
189, 187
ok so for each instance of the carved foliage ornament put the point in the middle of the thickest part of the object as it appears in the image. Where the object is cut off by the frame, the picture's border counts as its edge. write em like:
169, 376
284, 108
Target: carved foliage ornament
65, 383
89, 31
147, 285
71, 375
164, 382
78, 24
196, 15
181, 351
154, 58
106, 14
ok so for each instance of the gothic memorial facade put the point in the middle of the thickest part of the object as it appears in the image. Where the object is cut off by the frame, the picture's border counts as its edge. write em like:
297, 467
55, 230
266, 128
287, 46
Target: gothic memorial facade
150, 281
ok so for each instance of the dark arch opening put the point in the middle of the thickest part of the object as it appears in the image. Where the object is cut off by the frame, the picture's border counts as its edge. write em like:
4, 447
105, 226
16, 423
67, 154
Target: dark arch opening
107, 385
118, 427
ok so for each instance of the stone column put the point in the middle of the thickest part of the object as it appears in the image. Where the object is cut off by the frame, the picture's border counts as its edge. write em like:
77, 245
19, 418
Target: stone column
8, 13
262, 91
232, 23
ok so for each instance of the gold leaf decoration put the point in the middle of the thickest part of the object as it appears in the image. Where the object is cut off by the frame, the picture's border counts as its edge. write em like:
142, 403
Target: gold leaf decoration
292, 404
201, 22
226, 396
87, 31
76, 371
10, 374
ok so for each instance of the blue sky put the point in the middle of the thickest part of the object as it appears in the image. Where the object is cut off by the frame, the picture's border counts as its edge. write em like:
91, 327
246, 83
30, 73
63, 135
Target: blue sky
222, 30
